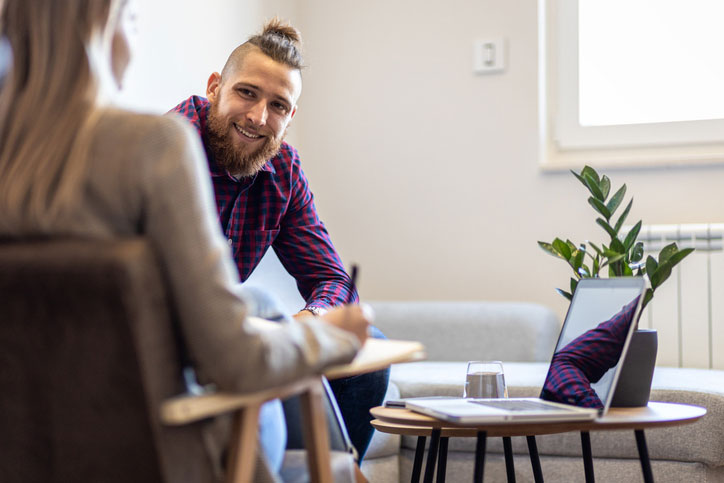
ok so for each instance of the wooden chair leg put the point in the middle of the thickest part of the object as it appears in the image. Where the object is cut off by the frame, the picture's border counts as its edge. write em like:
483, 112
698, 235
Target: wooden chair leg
244, 441
316, 437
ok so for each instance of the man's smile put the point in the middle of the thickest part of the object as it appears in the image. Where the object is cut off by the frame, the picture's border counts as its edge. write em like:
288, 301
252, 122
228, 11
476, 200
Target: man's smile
247, 134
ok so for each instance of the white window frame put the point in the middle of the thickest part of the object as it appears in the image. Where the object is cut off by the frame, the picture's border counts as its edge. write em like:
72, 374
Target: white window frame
566, 144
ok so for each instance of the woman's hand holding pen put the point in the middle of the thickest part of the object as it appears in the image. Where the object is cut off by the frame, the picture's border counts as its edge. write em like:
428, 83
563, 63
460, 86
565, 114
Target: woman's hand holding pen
352, 318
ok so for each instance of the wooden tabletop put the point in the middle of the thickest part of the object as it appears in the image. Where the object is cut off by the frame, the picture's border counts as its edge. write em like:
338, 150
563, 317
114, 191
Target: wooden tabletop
656, 414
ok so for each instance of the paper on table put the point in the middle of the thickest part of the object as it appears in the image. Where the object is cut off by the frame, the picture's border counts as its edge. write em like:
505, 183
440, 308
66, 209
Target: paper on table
374, 355
377, 354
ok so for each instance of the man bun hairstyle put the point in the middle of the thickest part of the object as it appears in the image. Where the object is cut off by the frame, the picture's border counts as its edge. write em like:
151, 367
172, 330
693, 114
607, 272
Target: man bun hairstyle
277, 40
281, 42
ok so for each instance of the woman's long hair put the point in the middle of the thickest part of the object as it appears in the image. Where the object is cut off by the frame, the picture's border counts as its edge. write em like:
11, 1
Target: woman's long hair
47, 104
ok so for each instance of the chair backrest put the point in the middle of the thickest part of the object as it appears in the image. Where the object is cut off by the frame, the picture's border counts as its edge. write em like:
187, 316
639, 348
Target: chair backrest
87, 353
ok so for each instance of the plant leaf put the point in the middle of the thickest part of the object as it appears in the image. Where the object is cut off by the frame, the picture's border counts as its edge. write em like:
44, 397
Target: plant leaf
547, 247
598, 250
611, 232
616, 199
617, 246
623, 216
638, 252
574, 284
615, 258
632, 235
578, 259
589, 171
584, 271
651, 265
678, 256
627, 271
647, 297
660, 275
593, 187
599, 207
562, 247
565, 294
580, 178
605, 186
666, 252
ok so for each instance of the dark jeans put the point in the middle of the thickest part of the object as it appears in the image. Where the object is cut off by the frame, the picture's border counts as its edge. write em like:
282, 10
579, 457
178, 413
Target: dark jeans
356, 395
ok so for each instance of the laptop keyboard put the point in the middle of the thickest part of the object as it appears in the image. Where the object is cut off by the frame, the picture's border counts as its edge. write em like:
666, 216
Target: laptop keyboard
519, 405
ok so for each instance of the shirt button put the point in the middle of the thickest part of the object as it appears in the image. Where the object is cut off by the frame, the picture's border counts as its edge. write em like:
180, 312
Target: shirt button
231, 242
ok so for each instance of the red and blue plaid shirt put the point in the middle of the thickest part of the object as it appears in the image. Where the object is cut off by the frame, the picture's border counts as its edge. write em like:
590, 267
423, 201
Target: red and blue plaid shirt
275, 208
586, 359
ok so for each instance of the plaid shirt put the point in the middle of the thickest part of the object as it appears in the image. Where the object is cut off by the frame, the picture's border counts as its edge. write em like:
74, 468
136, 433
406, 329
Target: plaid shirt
275, 208
586, 359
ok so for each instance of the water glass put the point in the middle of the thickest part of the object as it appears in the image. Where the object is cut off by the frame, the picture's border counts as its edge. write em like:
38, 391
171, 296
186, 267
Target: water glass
485, 379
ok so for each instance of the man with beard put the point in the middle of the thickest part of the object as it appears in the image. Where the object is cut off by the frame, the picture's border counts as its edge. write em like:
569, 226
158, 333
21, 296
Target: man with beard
263, 196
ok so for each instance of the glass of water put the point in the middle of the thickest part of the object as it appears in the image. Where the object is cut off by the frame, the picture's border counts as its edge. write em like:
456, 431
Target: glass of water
485, 379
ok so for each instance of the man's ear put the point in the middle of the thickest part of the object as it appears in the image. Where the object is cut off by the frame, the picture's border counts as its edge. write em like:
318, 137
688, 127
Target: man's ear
294, 111
212, 86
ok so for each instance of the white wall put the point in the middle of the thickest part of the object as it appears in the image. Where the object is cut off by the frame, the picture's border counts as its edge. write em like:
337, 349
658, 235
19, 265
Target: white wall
181, 42
425, 174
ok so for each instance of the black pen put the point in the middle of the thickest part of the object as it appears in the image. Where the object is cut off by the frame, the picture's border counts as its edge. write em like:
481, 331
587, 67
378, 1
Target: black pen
353, 284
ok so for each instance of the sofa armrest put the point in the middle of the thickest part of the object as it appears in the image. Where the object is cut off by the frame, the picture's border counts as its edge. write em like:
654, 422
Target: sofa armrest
463, 331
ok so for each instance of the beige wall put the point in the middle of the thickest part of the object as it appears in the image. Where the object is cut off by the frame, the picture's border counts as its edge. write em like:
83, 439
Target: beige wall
425, 174
428, 175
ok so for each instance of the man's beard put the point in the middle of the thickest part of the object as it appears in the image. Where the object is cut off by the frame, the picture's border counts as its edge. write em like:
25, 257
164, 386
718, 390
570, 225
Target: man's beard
230, 157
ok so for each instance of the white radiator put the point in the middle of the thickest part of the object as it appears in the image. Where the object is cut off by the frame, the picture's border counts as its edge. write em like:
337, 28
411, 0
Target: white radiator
688, 309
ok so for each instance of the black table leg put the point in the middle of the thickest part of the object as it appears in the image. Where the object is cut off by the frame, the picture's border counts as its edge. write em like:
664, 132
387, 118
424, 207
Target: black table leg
509, 463
644, 456
432, 455
534, 459
417, 465
480, 457
442, 461
587, 456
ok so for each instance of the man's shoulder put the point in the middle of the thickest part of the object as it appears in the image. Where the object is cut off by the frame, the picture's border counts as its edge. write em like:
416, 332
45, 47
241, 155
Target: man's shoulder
287, 159
194, 109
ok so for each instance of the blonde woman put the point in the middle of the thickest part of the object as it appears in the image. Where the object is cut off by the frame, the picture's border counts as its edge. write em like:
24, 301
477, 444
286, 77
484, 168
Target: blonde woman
73, 165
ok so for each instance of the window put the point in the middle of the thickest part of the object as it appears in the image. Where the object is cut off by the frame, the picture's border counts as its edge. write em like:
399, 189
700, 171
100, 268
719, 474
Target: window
633, 81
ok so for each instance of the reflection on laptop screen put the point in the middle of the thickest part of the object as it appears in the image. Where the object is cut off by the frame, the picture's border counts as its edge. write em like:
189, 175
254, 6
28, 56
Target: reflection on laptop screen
596, 329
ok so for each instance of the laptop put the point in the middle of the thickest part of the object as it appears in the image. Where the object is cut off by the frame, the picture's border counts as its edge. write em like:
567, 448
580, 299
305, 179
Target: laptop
583, 372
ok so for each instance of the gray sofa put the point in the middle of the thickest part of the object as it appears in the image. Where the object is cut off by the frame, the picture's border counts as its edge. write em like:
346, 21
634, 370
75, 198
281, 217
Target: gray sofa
523, 336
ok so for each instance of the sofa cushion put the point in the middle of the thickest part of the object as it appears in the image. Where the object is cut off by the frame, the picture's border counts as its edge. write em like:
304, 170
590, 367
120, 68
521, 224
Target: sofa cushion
702, 441
463, 331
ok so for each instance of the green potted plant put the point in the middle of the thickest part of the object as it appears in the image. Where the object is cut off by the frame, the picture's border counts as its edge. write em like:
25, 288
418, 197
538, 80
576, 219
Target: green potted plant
621, 256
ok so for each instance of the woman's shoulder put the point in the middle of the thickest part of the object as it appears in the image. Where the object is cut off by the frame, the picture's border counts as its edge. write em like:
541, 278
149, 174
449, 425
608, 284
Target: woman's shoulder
136, 138
124, 124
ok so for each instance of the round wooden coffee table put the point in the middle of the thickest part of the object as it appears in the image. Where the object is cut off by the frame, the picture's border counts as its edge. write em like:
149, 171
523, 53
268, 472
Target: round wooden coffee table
406, 422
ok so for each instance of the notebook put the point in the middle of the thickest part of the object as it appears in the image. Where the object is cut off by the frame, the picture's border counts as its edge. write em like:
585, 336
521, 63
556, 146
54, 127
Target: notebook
584, 368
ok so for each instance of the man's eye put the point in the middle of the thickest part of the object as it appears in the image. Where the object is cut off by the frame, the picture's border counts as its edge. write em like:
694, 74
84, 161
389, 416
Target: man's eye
245, 92
280, 107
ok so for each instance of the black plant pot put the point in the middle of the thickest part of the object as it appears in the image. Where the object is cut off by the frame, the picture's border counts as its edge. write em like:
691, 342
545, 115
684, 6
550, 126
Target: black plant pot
634, 382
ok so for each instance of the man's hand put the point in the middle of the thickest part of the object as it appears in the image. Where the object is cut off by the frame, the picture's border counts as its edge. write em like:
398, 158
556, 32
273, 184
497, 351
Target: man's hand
351, 318
303, 313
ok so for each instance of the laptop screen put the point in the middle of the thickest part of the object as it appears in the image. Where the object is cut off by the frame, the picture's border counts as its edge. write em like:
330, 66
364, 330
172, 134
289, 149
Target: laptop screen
595, 334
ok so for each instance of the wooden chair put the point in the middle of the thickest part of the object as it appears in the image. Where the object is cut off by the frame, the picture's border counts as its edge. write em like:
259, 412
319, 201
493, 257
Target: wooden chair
90, 373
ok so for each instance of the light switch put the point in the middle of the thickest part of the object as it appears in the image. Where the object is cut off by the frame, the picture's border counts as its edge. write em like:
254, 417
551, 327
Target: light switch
489, 56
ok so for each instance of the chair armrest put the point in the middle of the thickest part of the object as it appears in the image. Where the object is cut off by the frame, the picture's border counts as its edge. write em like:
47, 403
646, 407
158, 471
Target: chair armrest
187, 408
